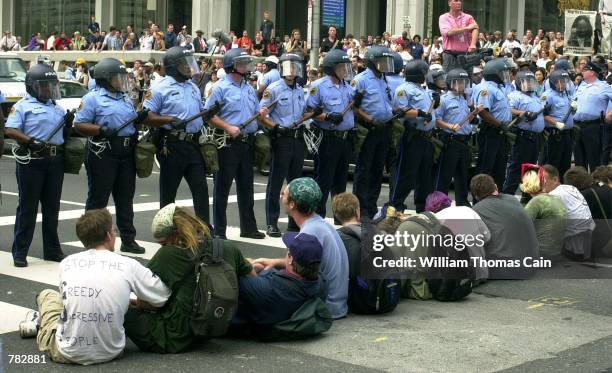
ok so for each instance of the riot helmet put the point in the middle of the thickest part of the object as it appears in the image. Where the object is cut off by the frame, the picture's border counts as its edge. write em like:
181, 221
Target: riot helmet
337, 63
42, 83
525, 82
291, 66
180, 62
458, 80
559, 80
380, 58
111, 74
415, 71
236, 60
497, 71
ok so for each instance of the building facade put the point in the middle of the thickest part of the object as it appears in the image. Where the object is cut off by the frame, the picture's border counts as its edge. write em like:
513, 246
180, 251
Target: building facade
358, 17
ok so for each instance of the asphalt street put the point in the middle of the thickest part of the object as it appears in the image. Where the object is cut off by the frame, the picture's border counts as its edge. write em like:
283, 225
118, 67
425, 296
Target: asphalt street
537, 325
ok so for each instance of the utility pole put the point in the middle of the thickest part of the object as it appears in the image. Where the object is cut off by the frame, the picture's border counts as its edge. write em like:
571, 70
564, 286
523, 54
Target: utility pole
314, 25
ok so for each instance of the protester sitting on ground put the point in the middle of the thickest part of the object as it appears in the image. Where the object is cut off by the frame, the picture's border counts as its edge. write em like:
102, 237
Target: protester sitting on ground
275, 294
83, 323
603, 175
345, 207
300, 199
546, 211
461, 221
599, 198
184, 239
513, 235
580, 224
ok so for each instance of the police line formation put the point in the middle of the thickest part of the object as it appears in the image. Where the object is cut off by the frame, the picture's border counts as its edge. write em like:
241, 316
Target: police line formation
425, 134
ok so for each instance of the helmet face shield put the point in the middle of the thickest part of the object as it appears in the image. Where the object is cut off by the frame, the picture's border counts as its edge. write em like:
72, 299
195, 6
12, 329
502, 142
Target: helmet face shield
562, 84
291, 69
345, 71
188, 66
120, 82
528, 84
506, 76
385, 64
47, 89
459, 85
243, 64
440, 81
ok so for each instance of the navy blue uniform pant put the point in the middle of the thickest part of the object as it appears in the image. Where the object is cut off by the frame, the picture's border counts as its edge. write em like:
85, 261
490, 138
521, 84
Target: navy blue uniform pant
558, 150
587, 149
331, 167
369, 170
492, 154
454, 164
524, 150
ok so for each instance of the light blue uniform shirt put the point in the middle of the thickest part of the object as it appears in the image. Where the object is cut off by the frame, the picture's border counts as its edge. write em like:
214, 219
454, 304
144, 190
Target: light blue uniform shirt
491, 97
592, 100
334, 98
179, 100
394, 81
107, 109
240, 103
560, 104
334, 269
570, 89
290, 106
453, 108
528, 102
412, 96
91, 83
377, 99
270, 77
36, 119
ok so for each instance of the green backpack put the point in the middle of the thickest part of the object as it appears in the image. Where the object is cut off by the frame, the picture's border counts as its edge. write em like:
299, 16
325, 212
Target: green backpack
312, 318
216, 294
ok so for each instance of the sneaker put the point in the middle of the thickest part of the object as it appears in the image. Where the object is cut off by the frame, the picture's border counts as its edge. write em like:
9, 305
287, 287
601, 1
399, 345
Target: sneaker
257, 235
133, 248
273, 231
28, 328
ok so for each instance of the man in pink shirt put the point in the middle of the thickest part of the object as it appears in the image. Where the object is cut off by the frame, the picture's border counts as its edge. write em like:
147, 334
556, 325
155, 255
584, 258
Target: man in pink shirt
459, 34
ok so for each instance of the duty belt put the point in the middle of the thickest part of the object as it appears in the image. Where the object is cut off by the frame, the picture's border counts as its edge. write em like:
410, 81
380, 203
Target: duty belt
181, 136
455, 137
339, 134
124, 141
587, 123
295, 133
529, 135
243, 137
375, 127
48, 151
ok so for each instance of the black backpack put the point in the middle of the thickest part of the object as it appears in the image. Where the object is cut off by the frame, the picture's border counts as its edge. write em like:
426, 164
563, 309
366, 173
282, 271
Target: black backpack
216, 294
445, 284
367, 296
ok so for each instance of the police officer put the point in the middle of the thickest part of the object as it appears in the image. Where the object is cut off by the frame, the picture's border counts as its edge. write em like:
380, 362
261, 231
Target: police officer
272, 75
562, 64
530, 108
332, 94
375, 113
239, 103
109, 159
559, 122
492, 154
513, 69
415, 153
172, 100
452, 117
286, 135
593, 97
32, 122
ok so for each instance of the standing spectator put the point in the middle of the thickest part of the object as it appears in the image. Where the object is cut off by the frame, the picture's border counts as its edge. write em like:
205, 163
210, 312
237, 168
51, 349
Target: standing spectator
386, 40
544, 59
157, 76
286, 43
62, 43
605, 12
78, 42
107, 42
209, 86
330, 42
170, 36
93, 25
509, 44
130, 42
146, 40
51, 41
259, 48
181, 38
158, 44
526, 47
188, 43
273, 48
559, 43
363, 48
459, 34
426, 49
436, 50
406, 56
297, 45
404, 40
81, 70
540, 78
267, 27
369, 41
416, 49
199, 43
68, 71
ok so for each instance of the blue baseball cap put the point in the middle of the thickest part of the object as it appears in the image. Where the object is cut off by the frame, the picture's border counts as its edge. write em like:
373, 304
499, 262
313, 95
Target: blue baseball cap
303, 247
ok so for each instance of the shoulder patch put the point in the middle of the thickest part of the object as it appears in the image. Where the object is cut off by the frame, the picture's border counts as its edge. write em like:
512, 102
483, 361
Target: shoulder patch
13, 109
400, 93
353, 83
313, 90
148, 95
484, 93
267, 94
80, 106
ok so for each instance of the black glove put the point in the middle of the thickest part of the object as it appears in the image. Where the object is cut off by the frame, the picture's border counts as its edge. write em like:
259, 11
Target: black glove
435, 96
178, 124
334, 118
317, 111
106, 132
547, 109
35, 144
530, 116
142, 116
425, 115
358, 98
68, 118
212, 111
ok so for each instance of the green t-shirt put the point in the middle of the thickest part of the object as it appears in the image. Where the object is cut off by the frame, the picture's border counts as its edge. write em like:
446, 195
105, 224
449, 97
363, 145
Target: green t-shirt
549, 218
169, 329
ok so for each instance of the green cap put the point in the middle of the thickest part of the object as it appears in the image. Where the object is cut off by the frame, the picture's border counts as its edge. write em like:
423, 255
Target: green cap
305, 191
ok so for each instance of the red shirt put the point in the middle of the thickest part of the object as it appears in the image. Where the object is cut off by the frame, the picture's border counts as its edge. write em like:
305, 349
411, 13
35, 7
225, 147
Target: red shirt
61, 44
245, 42
460, 42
